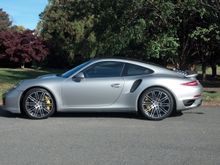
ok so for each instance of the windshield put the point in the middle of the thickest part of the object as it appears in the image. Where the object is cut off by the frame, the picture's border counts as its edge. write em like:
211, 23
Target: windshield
74, 70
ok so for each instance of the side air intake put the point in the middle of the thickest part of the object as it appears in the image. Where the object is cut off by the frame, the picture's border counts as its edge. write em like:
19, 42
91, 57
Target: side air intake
135, 85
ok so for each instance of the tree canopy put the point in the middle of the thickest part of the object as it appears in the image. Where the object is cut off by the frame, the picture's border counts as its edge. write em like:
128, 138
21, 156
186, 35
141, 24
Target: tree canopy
181, 33
22, 47
5, 22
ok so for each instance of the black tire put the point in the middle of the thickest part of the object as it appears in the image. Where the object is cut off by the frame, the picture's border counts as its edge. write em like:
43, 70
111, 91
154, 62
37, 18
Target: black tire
38, 103
156, 103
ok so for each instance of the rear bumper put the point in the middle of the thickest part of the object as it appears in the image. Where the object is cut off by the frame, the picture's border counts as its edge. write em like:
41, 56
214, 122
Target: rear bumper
190, 97
195, 102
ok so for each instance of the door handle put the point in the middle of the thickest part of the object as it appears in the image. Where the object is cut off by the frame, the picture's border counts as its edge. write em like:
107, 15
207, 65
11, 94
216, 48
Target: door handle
115, 85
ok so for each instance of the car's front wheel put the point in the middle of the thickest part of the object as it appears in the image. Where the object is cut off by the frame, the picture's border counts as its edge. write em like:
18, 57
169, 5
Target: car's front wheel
156, 103
38, 103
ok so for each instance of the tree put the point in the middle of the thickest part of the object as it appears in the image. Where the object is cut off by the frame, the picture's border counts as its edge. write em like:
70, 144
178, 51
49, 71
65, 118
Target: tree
92, 28
138, 28
161, 40
207, 46
202, 35
195, 27
5, 22
213, 17
165, 31
22, 47
67, 34
17, 28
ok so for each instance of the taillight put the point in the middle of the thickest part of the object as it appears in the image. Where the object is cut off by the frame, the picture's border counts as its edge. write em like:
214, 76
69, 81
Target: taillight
191, 83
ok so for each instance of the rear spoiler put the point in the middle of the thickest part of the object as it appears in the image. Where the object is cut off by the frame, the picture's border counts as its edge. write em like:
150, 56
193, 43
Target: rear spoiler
191, 75
187, 73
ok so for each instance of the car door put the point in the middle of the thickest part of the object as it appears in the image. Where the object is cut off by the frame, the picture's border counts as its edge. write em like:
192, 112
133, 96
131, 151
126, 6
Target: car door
101, 85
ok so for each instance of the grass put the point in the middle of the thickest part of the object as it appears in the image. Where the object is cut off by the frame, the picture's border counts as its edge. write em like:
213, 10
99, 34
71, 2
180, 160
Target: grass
208, 70
10, 77
209, 96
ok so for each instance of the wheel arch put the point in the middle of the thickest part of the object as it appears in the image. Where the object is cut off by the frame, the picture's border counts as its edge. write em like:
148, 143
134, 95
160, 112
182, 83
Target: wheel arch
157, 86
26, 90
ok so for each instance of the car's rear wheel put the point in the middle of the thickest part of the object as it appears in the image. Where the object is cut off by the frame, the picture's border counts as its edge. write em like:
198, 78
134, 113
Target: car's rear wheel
38, 103
156, 103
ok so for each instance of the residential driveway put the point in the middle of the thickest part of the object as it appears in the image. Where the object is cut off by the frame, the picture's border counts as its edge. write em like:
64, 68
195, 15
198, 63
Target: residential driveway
111, 139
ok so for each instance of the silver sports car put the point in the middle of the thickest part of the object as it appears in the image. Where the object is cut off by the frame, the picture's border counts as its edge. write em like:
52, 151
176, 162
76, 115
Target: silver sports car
107, 85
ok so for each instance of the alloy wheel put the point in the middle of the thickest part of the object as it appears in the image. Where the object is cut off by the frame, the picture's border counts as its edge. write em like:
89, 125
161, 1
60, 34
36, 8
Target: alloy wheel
156, 103
38, 103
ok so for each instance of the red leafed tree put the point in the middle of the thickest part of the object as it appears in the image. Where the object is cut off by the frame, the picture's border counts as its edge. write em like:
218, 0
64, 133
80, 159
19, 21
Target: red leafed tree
22, 47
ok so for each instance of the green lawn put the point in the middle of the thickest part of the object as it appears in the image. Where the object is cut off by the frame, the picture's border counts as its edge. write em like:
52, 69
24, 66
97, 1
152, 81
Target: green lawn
9, 77
211, 86
208, 70
209, 96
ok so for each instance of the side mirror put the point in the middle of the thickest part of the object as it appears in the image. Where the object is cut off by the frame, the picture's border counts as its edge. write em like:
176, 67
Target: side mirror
78, 77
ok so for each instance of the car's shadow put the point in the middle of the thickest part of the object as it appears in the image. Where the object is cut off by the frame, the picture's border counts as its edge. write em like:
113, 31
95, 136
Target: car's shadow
106, 115
86, 115
8, 114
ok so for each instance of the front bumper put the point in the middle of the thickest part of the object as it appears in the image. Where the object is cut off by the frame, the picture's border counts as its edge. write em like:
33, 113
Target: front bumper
11, 101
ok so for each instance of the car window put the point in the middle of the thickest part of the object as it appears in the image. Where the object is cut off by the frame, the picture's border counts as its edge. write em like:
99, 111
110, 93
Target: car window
104, 69
74, 70
132, 70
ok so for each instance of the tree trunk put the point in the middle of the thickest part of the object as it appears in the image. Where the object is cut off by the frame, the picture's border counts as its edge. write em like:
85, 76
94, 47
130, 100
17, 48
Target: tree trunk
203, 71
184, 54
193, 67
22, 65
214, 70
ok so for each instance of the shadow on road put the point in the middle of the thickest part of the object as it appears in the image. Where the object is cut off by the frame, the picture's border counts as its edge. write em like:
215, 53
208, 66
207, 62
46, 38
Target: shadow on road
9, 114
197, 113
78, 115
131, 115
86, 115
97, 115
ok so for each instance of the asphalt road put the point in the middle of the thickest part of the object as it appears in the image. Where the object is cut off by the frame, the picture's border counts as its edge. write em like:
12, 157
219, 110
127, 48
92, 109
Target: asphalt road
111, 139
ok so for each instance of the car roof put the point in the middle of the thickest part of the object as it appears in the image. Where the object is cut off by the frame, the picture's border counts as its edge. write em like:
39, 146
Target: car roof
129, 60
156, 68
120, 59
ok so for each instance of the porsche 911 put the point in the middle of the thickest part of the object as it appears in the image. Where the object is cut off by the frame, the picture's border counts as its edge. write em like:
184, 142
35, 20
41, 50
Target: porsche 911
107, 85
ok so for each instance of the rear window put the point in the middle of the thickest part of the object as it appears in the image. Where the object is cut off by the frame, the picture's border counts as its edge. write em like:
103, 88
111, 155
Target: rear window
133, 70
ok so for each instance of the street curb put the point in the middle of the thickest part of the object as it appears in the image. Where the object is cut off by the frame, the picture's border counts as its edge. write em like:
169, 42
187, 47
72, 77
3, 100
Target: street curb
212, 104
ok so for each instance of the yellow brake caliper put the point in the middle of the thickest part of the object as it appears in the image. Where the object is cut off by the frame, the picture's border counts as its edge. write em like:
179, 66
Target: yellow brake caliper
48, 103
148, 105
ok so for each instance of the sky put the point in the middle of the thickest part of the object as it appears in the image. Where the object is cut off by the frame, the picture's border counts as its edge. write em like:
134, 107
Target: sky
24, 12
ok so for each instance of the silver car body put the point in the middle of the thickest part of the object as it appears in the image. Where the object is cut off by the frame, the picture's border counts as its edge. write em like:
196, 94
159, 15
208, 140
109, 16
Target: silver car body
107, 94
